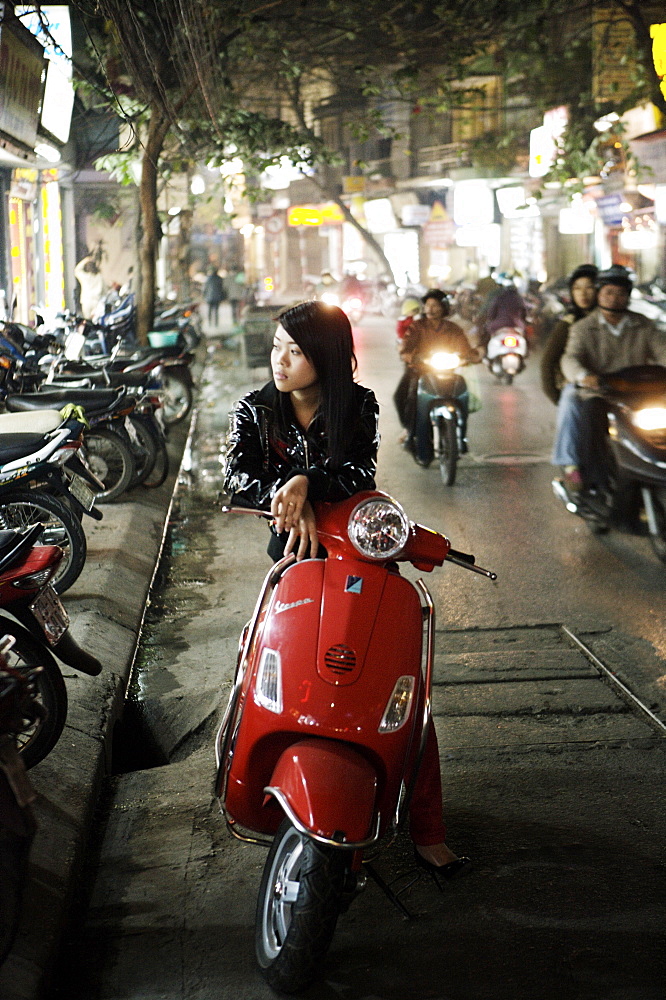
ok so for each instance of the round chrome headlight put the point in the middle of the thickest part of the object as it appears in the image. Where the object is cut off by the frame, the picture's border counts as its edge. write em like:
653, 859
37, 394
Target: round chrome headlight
378, 528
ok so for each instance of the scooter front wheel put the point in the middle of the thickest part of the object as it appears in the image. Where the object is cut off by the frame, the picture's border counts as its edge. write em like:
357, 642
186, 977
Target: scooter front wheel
297, 909
659, 540
447, 449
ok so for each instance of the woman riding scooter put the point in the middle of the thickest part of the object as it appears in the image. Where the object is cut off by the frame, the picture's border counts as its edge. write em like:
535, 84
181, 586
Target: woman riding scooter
311, 435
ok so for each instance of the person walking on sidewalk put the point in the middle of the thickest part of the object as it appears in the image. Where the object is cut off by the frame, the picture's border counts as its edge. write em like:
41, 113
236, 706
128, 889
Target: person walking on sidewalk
213, 294
312, 434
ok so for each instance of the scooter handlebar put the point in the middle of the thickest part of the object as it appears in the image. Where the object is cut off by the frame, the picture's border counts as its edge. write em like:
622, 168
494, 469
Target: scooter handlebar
467, 561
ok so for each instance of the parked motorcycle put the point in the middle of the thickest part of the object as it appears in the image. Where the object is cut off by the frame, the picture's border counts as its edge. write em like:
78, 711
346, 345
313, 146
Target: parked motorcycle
39, 633
634, 410
325, 728
106, 446
42, 481
17, 823
506, 353
441, 414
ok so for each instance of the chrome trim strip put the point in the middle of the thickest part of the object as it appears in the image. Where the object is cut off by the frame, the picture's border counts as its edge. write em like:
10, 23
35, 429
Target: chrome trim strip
346, 845
223, 736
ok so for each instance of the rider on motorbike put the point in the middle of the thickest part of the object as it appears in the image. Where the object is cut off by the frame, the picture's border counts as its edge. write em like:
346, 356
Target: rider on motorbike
431, 332
610, 338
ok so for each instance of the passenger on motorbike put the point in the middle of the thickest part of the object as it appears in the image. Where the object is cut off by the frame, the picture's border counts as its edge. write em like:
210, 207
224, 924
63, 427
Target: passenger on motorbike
311, 435
583, 292
431, 332
611, 337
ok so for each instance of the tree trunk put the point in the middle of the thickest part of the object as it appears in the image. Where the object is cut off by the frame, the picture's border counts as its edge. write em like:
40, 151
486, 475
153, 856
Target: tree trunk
150, 225
641, 25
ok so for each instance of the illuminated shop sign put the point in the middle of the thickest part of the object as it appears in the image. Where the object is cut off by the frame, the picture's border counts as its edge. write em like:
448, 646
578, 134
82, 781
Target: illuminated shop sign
658, 35
314, 215
21, 64
56, 113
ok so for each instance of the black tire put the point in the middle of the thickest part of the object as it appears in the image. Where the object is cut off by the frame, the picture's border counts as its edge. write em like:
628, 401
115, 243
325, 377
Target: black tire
144, 450
160, 468
23, 508
292, 935
659, 541
447, 451
110, 458
177, 397
507, 379
38, 739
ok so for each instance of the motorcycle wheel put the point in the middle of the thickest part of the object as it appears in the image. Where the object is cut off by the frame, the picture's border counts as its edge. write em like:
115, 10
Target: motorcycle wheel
144, 451
110, 458
659, 541
297, 908
160, 469
23, 508
447, 451
37, 739
178, 398
506, 379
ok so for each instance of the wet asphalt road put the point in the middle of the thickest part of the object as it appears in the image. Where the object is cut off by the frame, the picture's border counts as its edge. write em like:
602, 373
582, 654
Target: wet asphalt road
552, 782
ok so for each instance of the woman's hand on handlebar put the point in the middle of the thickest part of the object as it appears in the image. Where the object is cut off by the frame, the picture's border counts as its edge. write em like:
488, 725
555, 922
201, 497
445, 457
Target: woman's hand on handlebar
293, 513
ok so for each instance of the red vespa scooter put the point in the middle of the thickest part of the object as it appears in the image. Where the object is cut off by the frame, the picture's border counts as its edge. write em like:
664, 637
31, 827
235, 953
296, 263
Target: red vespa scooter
326, 724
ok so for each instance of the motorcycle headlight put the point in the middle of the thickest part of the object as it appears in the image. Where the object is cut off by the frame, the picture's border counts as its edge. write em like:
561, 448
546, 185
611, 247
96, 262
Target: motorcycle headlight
441, 361
378, 528
652, 418
331, 298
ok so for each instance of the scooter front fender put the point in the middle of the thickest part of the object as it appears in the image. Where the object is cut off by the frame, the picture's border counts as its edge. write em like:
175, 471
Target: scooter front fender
328, 791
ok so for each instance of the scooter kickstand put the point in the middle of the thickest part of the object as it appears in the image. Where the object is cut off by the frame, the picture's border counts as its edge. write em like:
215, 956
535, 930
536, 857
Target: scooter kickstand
388, 891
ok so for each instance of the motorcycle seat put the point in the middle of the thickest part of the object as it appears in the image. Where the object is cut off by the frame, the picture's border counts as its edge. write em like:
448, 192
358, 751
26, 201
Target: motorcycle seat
41, 421
92, 400
15, 544
14, 446
94, 379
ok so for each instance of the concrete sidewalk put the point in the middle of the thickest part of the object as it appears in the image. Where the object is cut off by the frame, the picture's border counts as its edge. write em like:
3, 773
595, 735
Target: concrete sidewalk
106, 608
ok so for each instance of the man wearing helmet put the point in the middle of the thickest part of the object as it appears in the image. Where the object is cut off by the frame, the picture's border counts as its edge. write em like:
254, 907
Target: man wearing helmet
611, 337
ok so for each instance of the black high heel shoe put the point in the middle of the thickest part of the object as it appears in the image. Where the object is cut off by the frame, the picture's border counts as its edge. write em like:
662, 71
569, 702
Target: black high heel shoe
446, 872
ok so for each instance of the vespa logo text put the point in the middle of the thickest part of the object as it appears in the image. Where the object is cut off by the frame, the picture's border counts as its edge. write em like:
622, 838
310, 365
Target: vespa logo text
280, 607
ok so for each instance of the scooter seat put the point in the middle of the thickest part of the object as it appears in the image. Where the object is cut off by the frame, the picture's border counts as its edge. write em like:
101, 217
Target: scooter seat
92, 400
41, 421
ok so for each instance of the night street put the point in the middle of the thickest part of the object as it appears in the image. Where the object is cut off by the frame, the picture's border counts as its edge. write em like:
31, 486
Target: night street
551, 780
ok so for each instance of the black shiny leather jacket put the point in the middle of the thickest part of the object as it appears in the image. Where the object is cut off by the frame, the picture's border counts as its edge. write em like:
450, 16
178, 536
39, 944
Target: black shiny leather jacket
260, 459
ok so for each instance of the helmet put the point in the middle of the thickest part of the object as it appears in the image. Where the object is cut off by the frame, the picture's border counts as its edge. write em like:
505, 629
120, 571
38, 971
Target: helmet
615, 275
590, 271
442, 297
410, 306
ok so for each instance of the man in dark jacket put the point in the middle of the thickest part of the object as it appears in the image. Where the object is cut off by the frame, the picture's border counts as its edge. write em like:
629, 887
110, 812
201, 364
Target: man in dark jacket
213, 294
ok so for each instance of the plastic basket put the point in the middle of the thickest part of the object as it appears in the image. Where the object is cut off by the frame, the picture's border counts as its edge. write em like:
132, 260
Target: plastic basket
159, 338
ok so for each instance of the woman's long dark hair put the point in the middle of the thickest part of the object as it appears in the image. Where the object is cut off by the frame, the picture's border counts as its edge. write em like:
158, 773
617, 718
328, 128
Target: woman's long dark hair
324, 335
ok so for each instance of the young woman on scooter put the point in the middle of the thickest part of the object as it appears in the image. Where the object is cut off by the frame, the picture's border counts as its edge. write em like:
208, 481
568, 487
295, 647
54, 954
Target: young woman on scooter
312, 435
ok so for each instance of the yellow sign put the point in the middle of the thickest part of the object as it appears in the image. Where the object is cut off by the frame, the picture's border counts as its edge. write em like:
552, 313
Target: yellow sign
438, 213
658, 35
314, 215
353, 185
